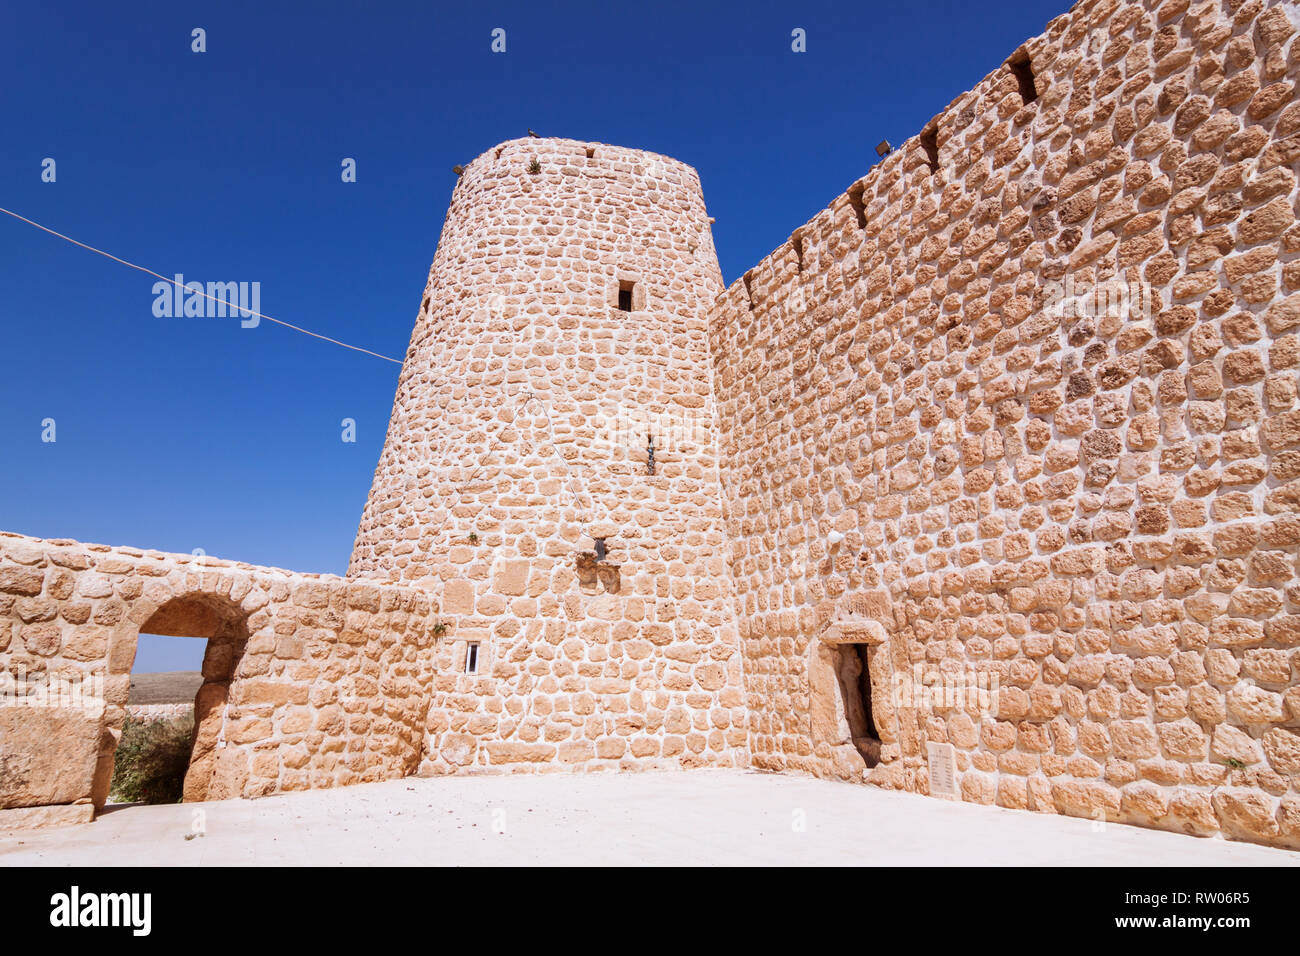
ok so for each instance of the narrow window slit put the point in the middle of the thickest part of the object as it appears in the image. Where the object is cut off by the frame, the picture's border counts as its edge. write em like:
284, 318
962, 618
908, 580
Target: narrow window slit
1024, 73
930, 143
471, 658
625, 296
859, 207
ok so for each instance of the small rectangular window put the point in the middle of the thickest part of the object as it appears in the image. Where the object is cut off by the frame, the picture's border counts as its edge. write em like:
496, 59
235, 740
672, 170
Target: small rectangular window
1024, 74
859, 205
625, 298
471, 659
930, 143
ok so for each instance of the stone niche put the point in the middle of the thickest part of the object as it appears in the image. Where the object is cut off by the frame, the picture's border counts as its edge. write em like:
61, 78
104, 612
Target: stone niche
595, 574
853, 722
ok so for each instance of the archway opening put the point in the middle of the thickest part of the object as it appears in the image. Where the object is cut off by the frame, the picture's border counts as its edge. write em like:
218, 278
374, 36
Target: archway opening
178, 747
152, 753
853, 676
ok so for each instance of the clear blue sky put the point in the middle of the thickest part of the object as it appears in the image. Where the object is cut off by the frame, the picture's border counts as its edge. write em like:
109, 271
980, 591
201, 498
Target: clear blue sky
185, 433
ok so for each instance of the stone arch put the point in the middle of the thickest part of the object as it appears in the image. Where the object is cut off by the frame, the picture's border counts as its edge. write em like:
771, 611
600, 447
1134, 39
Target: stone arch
220, 621
853, 627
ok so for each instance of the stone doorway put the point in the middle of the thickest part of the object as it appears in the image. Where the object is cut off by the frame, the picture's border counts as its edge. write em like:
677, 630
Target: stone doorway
853, 720
223, 625
853, 676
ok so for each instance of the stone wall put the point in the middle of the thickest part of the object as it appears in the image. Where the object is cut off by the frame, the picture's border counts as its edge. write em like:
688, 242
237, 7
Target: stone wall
1096, 514
148, 713
310, 680
519, 436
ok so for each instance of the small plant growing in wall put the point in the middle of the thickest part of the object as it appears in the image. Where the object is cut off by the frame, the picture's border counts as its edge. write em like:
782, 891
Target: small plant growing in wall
473, 538
534, 166
439, 629
1234, 764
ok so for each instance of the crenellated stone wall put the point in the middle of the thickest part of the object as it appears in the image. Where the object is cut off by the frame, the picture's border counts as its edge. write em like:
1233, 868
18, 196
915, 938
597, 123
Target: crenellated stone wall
933, 448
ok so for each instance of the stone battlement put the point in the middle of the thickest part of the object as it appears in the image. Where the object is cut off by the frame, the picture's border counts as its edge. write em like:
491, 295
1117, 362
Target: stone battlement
1089, 510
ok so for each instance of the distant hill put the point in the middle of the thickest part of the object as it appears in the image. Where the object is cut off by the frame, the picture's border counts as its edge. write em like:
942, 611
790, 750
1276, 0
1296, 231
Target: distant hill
171, 687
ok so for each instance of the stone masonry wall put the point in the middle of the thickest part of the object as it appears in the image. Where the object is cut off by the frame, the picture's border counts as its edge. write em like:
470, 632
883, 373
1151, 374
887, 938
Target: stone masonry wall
519, 436
909, 451
1101, 512
310, 680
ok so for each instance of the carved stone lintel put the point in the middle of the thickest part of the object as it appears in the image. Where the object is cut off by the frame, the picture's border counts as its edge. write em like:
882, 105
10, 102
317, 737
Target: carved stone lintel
855, 632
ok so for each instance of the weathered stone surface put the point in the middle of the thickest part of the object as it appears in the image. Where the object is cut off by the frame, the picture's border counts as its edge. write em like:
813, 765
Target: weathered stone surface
1246, 813
35, 818
47, 754
1282, 746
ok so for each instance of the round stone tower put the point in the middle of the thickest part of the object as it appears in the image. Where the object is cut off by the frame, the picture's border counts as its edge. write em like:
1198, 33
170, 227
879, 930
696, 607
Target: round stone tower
561, 344
551, 474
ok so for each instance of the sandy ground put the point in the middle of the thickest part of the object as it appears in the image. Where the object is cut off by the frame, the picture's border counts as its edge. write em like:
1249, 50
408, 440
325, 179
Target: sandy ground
694, 817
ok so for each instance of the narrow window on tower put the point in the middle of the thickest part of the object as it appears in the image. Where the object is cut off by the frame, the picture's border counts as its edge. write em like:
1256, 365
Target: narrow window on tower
859, 205
471, 659
625, 296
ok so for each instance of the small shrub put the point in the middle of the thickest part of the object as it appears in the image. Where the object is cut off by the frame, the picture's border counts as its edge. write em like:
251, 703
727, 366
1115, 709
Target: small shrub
151, 760
534, 167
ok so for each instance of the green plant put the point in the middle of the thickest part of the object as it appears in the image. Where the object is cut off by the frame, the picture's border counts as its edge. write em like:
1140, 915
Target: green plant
473, 538
439, 629
151, 760
1234, 763
534, 166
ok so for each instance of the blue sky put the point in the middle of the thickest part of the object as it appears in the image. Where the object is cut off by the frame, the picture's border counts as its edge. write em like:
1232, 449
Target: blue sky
188, 433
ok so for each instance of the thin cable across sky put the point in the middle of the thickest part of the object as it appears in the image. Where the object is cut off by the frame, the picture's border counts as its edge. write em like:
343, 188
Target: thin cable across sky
232, 306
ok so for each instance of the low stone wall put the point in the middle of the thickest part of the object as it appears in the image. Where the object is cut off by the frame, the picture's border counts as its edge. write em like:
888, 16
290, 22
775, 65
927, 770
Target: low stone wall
147, 713
310, 680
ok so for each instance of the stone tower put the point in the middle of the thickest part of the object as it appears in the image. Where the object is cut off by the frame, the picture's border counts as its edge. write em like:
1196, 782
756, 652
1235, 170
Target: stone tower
551, 469
563, 326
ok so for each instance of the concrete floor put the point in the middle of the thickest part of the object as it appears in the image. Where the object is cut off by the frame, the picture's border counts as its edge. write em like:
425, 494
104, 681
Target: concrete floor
692, 817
